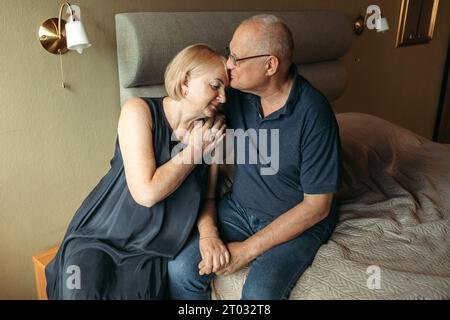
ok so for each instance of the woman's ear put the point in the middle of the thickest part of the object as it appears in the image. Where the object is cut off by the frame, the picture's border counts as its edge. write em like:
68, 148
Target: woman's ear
185, 85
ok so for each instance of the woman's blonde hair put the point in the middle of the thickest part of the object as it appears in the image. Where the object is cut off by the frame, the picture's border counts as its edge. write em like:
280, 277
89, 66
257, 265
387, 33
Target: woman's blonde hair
192, 61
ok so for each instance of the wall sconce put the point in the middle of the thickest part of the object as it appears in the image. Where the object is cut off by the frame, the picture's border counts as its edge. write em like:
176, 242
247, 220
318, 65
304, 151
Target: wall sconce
58, 36
372, 20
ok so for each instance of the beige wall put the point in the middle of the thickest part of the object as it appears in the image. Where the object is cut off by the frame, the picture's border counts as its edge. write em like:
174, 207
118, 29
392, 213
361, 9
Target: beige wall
56, 143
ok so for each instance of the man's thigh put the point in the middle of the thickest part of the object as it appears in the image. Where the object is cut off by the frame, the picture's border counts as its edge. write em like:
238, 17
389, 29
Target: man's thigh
233, 223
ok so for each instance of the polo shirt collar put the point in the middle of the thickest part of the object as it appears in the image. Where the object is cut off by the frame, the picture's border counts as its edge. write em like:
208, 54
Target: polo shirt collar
294, 94
291, 102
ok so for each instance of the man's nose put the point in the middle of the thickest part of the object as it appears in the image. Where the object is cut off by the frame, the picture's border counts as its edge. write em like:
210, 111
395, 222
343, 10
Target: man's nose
230, 64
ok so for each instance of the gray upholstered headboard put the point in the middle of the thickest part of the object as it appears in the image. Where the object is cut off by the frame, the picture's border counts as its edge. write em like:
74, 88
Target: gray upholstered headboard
147, 41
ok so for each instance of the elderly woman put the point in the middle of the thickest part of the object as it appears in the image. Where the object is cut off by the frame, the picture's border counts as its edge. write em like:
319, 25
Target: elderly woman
142, 213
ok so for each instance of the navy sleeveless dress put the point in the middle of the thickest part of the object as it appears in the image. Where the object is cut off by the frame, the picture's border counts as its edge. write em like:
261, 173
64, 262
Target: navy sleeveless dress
115, 248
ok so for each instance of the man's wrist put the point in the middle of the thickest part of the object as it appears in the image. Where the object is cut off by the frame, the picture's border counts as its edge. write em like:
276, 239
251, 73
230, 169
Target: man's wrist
252, 248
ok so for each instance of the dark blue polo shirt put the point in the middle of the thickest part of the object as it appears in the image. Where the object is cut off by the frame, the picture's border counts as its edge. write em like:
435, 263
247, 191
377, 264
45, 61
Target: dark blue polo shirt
309, 149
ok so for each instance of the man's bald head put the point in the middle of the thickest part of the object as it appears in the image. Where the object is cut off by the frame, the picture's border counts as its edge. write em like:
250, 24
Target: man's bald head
268, 34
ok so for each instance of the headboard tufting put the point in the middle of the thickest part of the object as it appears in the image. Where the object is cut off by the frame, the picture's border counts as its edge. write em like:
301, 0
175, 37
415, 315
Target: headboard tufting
147, 41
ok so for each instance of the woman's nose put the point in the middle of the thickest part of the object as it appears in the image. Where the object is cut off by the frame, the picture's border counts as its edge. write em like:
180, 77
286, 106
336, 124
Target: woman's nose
222, 96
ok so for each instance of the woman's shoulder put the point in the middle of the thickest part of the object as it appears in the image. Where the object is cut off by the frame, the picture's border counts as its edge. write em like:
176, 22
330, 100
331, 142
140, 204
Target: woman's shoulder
140, 102
137, 109
141, 105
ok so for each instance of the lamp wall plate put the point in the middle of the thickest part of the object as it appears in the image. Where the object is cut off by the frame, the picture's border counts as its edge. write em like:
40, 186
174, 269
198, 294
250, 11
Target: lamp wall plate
48, 36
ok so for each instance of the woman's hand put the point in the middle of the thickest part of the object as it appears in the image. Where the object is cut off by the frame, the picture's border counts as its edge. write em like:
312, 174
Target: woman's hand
216, 134
206, 135
215, 255
217, 124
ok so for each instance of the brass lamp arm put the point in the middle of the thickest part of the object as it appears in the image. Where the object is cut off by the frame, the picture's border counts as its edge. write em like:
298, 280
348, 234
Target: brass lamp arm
60, 16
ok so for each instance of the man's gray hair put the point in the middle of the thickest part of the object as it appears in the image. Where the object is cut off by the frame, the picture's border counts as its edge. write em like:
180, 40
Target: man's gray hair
274, 36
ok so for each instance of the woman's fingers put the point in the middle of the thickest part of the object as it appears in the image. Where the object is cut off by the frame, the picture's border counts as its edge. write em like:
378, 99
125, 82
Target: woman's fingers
215, 129
221, 131
208, 123
202, 269
227, 257
217, 269
224, 257
208, 264
216, 263
219, 122
219, 140
215, 259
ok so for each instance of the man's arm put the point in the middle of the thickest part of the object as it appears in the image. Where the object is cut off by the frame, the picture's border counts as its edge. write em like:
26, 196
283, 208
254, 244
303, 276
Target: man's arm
289, 225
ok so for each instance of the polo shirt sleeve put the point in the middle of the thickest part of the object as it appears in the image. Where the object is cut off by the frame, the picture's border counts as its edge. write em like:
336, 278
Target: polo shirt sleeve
321, 164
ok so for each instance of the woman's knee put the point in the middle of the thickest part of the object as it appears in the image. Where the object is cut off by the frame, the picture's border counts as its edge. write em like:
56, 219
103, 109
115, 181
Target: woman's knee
87, 274
185, 264
184, 281
181, 269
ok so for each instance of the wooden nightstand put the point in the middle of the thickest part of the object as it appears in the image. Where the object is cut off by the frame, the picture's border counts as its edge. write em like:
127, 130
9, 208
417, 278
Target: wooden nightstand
40, 260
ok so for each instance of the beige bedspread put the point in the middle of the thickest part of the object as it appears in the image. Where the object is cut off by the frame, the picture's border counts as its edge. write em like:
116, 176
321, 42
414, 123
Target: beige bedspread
394, 215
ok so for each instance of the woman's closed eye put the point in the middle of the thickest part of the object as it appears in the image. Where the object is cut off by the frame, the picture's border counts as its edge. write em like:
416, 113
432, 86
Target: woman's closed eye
215, 86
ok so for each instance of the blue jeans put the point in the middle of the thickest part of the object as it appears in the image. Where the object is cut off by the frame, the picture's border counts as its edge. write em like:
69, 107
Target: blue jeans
272, 275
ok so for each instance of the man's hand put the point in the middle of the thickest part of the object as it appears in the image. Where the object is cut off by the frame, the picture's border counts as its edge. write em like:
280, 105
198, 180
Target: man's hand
240, 257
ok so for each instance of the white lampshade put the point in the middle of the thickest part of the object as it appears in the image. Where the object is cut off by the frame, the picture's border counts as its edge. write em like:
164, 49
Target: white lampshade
381, 25
76, 36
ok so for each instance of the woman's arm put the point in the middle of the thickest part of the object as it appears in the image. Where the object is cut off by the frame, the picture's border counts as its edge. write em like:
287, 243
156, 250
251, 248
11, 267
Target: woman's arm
214, 253
207, 226
148, 184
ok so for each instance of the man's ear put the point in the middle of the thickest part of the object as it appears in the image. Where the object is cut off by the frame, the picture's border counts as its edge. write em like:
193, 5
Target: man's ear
272, 65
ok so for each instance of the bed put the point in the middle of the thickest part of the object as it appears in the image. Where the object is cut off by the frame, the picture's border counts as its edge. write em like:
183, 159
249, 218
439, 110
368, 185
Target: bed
393, 239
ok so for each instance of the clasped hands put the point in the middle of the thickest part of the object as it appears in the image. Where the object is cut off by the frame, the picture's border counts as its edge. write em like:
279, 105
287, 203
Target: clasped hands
220, 258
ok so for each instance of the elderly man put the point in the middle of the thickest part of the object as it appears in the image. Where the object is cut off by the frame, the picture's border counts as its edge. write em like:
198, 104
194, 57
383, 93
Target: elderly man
275, 223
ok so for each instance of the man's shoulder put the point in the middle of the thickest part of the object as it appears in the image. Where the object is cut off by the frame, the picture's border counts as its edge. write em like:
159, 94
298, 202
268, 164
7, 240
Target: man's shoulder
313, 106
310, 95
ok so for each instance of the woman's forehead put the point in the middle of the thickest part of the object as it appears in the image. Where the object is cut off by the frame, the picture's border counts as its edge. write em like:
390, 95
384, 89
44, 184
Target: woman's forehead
216, 70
